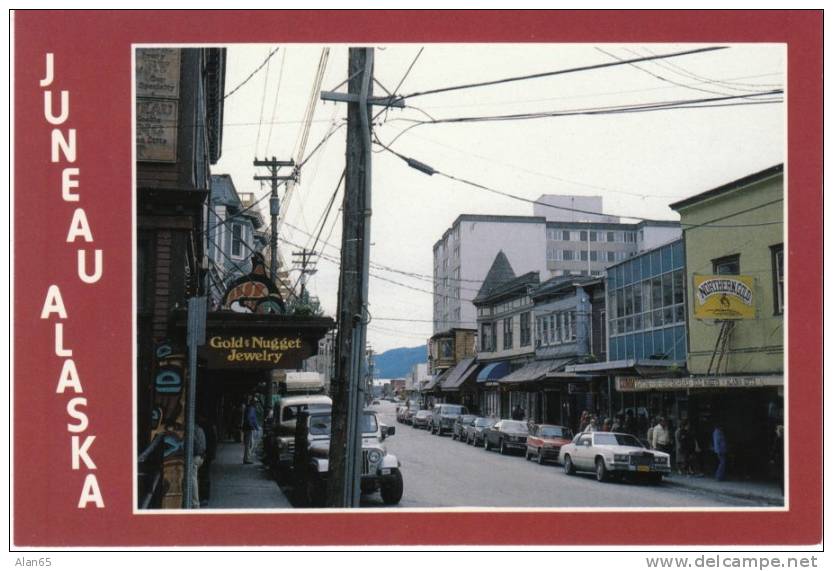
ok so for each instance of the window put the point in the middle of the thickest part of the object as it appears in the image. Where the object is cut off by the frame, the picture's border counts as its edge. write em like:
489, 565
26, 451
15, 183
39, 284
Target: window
778, 278
545, 331
583, 255
237, 240
583, 235
486, 337
565, 235
526, 330
507, 333
593, 236
727, 266
611, 237
594, 256
611, 256
568, 255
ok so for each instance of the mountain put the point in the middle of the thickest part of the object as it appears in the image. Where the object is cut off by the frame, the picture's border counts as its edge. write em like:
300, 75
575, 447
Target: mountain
397, 363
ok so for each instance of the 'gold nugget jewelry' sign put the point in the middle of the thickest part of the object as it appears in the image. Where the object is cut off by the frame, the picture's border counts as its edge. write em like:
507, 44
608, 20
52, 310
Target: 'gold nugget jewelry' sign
255, 352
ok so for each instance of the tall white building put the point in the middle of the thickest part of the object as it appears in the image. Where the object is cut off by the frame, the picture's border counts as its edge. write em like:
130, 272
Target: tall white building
555, 242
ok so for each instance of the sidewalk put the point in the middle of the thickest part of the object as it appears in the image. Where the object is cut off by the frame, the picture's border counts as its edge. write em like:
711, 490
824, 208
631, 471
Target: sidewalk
235, 485
761, 491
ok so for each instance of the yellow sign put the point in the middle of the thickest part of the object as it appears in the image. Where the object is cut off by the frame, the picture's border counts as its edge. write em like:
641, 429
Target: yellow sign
724, 297
255, 351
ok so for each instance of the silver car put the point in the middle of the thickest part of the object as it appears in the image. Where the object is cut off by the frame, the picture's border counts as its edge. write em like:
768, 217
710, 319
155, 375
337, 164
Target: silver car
613, 454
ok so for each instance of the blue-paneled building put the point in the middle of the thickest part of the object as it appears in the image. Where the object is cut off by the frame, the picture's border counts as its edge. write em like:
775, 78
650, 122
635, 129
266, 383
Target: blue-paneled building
645, 314
646, 306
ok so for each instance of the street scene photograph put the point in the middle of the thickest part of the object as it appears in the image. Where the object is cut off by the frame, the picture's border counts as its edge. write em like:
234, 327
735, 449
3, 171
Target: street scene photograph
460, 276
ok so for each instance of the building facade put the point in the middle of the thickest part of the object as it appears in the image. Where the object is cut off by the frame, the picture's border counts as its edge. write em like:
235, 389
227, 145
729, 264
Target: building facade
561, 242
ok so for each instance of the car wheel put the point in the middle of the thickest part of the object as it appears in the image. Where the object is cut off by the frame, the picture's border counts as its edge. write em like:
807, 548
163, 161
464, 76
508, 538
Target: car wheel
569, 469
601, 470
392, 488
502, 447
541, 456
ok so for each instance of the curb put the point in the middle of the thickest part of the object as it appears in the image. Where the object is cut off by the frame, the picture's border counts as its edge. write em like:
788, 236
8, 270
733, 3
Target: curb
771, 500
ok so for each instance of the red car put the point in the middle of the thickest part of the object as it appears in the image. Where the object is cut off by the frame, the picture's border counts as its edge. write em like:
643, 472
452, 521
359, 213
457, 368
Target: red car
545, 441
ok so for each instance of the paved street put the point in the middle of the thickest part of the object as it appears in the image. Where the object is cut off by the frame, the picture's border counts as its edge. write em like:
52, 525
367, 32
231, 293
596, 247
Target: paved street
441, 472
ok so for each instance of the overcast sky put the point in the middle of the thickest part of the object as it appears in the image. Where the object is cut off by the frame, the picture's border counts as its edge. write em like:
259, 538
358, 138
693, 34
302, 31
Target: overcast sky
638, 162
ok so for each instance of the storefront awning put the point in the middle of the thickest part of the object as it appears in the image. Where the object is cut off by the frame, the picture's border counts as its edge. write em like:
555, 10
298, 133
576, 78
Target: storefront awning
535, 370
627, 366
459, 374
434, 381
493, 372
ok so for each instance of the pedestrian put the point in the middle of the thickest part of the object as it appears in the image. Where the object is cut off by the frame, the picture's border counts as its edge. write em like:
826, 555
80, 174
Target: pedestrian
777, 456
618, 424
606, 425
661, 437
682, 440
517, 413
721, 448
591, 424
210, 431
196, 461
583, 421
649, 435
250, 428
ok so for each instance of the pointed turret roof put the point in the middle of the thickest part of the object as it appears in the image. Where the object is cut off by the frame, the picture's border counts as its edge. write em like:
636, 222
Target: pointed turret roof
500, 273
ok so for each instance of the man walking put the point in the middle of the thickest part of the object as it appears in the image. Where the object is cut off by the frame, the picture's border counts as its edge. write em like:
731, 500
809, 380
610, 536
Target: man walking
197, 460
661, 437
250, 427
721, 449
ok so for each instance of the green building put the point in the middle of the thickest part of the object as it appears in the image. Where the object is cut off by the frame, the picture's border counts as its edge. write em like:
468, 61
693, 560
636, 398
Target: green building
734, 250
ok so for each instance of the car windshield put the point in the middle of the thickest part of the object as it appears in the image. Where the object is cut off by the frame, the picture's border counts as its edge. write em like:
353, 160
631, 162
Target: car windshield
483, 422
555, 432
514, 426
423, 413
369, 424
291, 412
322, 424
620, 439
446, 409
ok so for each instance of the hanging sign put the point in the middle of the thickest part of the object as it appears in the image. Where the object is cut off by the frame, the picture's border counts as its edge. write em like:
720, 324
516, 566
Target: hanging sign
724, 297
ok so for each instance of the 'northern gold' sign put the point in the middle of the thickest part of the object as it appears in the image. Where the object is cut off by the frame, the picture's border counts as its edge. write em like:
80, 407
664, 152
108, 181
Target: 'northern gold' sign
255, 351
724, 297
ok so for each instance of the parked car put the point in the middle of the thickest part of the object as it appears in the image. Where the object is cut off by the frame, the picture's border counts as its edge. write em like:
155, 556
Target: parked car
282, 433
443, 417
408, 415
375, 401
422, 419
400, 413
380, 469
506, 435
613, 454
545, 441
474, 431
458, 430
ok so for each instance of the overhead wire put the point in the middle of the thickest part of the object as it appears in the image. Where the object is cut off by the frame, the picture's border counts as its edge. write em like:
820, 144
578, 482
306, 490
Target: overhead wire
251, 75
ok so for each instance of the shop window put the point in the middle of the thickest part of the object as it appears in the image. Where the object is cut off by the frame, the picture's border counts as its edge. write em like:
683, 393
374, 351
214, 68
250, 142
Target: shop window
727, 266
778, 278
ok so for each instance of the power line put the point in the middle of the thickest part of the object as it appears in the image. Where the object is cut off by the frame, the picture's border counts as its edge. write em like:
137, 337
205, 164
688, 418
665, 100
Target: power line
557, 72
251, 75
262, 104
427, 169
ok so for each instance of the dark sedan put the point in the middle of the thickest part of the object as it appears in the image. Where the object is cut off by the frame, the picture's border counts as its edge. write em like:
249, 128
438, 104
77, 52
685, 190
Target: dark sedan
474, 431
458, 431
506, 435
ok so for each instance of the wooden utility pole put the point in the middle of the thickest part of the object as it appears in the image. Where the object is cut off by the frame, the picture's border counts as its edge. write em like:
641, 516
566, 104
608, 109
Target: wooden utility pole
345, 445
274, 204
304, 263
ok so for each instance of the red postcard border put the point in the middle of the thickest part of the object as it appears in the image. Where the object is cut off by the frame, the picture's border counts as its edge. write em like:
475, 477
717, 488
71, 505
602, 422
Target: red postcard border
92, 54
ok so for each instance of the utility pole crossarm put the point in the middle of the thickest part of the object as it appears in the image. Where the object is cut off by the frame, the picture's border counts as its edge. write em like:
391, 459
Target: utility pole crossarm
391, 101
